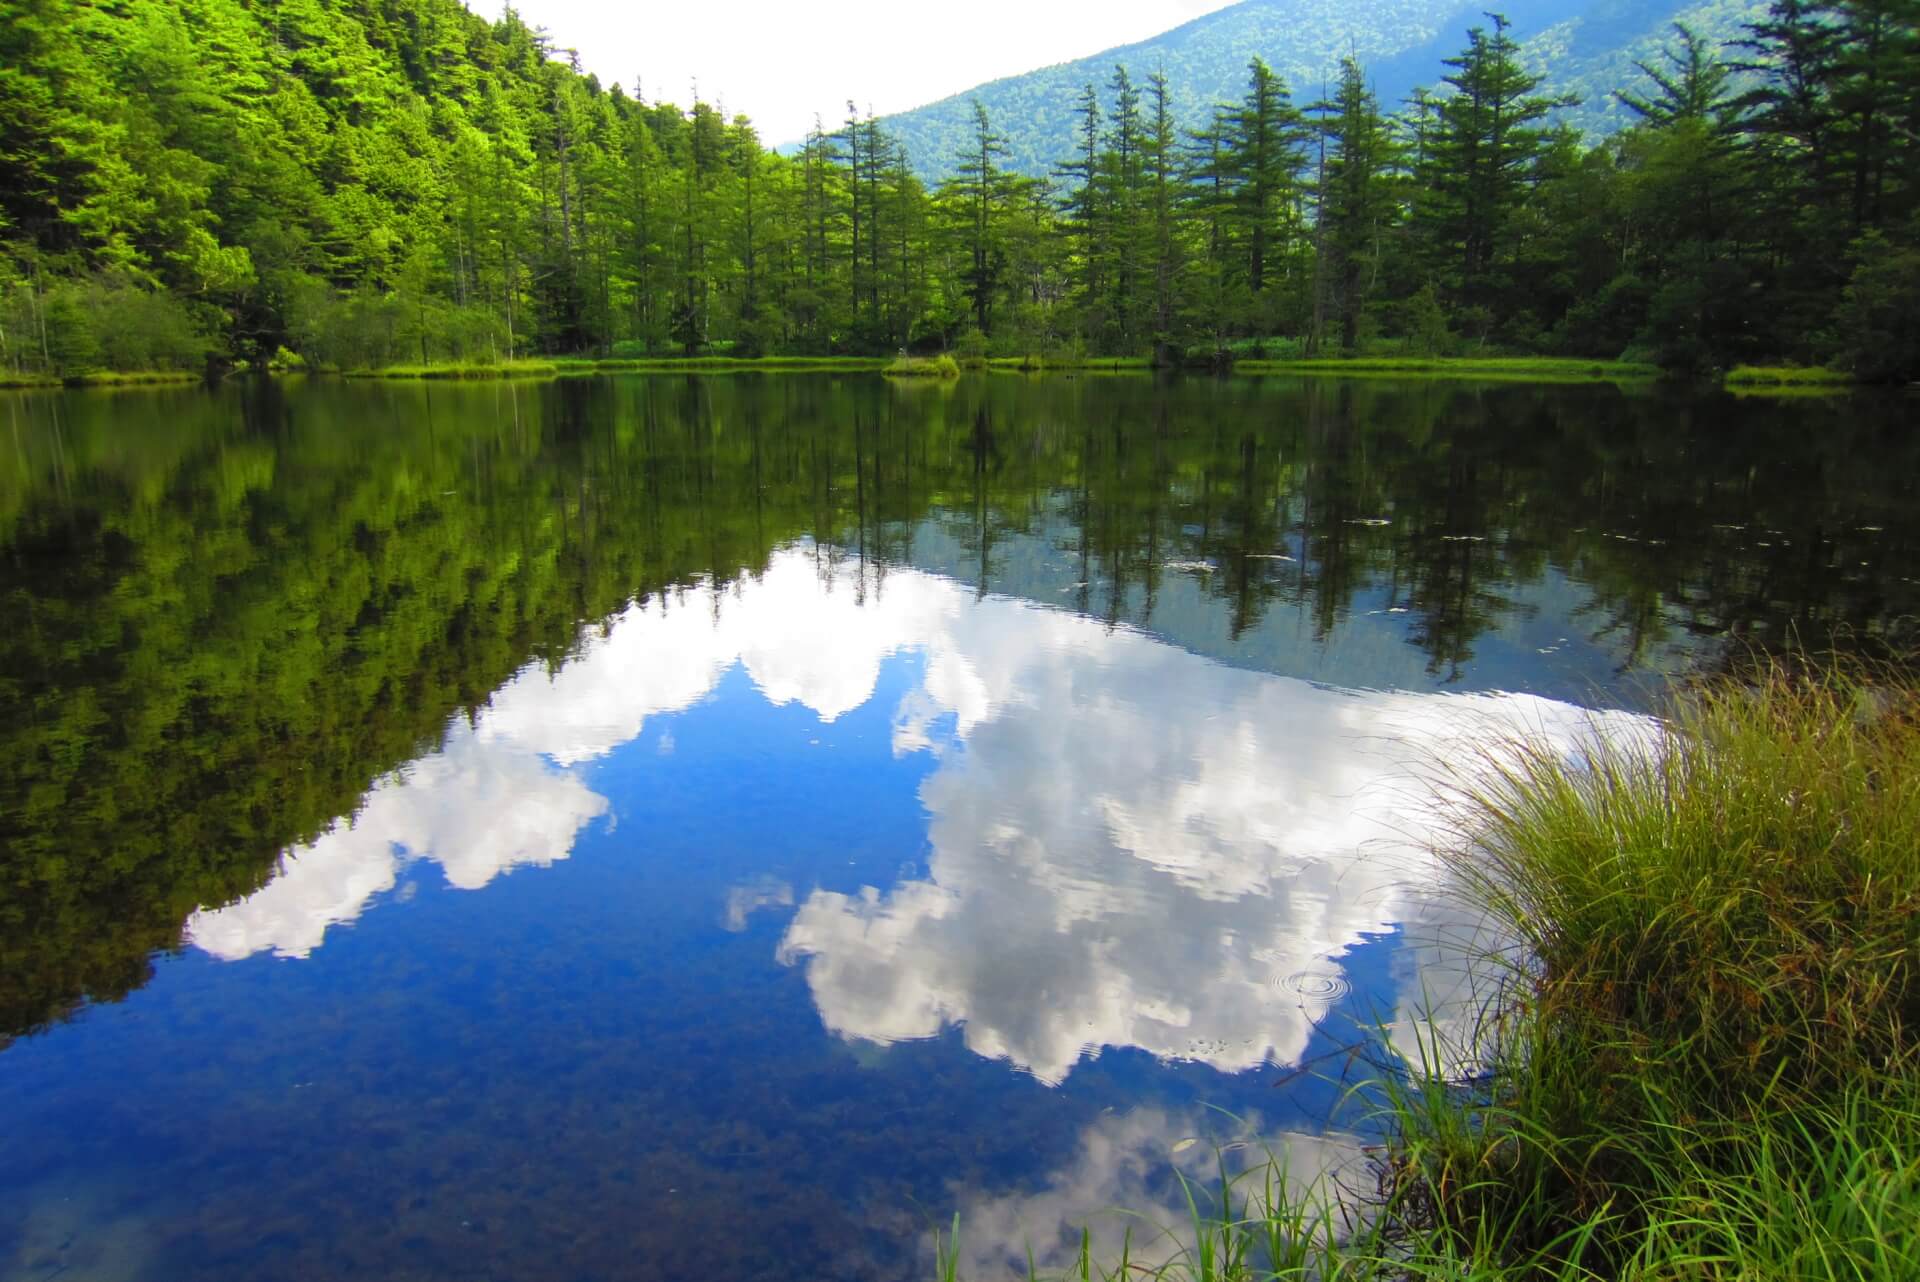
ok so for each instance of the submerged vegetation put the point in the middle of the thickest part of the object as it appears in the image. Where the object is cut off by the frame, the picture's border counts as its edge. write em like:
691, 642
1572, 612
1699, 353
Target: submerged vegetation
1705, 1061
404, 183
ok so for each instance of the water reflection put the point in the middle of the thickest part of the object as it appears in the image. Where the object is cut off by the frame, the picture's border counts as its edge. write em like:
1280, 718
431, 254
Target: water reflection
478, 807
1132, 845
239, 610
1122, 1181
842, 881
1129, 845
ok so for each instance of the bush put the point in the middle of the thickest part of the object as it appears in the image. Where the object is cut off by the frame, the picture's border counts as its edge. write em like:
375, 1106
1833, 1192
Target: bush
102, 323
1426, 324
971, 349
1879, 318
1604, 323
371, 329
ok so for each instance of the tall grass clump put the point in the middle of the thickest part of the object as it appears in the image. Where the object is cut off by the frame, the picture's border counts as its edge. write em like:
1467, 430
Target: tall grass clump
941, 366
1713, 994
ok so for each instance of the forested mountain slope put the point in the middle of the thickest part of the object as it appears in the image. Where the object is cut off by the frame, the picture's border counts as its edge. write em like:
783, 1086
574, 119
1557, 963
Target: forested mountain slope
1584, 47
192, 185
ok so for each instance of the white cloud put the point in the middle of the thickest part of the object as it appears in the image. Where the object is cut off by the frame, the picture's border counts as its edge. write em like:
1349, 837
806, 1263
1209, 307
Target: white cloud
795, 61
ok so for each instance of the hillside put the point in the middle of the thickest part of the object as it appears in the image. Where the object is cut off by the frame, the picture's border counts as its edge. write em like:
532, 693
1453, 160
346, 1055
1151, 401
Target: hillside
1584, 46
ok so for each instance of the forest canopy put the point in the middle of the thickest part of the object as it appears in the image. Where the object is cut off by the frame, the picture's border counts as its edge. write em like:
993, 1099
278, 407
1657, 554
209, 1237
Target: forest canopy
344, 184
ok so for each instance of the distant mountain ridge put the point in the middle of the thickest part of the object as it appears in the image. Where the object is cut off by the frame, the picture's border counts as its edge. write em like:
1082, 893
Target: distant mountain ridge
1586, 47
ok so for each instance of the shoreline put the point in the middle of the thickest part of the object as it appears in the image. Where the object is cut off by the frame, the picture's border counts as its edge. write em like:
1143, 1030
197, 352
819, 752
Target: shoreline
1743, 380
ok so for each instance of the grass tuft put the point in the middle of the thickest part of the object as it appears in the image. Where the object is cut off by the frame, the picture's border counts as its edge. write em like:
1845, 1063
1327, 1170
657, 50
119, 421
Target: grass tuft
942, 366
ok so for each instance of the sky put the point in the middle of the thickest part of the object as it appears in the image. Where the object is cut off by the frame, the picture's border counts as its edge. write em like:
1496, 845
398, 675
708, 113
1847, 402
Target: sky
781, 62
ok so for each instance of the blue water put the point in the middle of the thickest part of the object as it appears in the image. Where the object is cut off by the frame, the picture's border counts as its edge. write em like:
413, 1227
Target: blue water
795, 906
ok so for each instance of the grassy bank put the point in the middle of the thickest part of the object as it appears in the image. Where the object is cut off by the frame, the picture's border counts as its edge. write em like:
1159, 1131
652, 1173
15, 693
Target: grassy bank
1788, 377
1037, 364
924, 367
1539, 369
461, 370
1705, 1059
103, 378
564, 366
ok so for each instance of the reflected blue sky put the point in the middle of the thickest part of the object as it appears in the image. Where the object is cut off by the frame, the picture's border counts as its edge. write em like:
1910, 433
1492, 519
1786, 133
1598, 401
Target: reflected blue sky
838, 891
1127, 845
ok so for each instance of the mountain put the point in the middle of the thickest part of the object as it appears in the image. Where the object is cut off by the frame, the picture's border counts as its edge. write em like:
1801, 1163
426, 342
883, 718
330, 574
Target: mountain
1583, 46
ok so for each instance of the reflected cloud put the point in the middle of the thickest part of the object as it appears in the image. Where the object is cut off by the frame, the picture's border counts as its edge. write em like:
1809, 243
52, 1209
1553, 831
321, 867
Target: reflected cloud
1135, 846
1130, 845
506, 790
1124, 1176
472, 808
744, 901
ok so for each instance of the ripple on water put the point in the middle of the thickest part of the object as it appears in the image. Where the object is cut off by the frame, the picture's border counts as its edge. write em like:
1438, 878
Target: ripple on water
1317, 985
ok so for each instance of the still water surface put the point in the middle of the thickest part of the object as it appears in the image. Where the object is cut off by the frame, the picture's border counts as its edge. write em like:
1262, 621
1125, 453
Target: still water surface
651, 828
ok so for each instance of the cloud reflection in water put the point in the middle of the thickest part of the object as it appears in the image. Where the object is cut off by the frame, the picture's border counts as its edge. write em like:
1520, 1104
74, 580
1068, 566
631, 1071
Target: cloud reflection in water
1130, 845
1120, 1180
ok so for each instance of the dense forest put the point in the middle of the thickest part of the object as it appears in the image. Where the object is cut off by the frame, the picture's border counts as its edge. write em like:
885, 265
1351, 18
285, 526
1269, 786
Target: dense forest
354, 183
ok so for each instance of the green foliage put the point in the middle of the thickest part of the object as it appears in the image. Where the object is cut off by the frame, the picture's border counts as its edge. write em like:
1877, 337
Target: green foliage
942, 366
1879, 317
365, 188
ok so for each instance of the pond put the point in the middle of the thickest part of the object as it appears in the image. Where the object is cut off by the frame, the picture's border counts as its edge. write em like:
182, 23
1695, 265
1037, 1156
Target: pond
705, 826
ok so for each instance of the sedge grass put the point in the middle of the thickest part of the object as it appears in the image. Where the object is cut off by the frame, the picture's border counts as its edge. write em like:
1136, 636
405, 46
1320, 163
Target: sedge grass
1039, 363
723, 365
942, 366
565, 366
1718, 938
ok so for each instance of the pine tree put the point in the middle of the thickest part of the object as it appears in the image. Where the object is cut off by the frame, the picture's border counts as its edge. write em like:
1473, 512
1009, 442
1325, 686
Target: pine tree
1264, 153
1357, 203
1478, 166
981, 184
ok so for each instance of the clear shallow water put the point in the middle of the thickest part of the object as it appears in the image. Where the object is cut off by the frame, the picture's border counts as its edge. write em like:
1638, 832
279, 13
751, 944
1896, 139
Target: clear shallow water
658, 827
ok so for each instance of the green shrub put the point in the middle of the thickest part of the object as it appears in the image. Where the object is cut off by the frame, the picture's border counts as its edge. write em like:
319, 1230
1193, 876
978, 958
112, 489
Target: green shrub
1879, 318
971, 349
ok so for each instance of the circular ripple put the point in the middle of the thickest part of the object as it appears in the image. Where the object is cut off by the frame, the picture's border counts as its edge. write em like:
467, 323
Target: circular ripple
1317, 985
